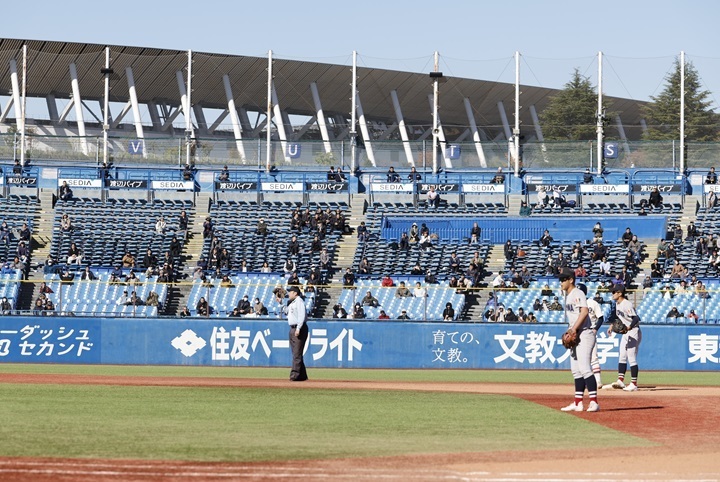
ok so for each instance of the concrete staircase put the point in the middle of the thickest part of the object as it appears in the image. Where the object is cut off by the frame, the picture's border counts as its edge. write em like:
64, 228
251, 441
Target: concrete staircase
179, 292
514, 205
41, 241
689, 212
344, 256
475, 301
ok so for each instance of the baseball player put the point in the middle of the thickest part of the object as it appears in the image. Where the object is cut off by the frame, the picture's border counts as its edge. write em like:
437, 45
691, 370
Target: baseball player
576, 312
597, 317
630, 341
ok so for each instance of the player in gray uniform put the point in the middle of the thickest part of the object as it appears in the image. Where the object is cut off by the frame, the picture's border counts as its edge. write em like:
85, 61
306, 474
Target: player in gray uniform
597, 317
630, 341
576, 312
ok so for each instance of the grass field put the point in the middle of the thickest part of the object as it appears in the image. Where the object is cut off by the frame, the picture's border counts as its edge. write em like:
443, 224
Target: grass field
287, 423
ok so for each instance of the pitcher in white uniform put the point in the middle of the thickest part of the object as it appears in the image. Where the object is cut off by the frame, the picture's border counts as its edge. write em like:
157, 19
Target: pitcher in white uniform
576, 313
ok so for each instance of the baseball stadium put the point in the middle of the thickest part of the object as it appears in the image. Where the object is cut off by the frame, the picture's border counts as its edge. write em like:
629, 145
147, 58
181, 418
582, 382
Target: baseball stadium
448, 265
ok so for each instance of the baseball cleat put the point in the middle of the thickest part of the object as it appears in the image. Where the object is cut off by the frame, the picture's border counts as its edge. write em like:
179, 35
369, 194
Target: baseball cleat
631, 388
573, 407
593, 407
618, 384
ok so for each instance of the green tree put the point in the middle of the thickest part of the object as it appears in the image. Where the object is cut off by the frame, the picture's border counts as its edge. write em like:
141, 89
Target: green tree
663, 113
571, 113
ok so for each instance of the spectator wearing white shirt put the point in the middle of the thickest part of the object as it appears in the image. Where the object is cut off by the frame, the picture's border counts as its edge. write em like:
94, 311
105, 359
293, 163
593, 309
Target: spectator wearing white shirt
160, 226
123, 299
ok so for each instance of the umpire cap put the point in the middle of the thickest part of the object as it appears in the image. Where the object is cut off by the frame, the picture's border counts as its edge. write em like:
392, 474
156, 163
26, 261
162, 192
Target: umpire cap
564, 273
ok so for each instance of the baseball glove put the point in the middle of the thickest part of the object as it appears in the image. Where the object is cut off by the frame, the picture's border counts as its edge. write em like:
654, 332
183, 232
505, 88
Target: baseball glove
570, 339
618, 327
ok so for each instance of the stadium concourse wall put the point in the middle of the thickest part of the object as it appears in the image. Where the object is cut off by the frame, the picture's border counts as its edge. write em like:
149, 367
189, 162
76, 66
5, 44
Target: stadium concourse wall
335, 344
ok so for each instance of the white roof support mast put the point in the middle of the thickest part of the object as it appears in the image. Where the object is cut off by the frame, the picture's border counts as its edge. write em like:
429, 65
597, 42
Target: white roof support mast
134, 105
320, 117
402, 128
682, 112
475, 132
516, 130
600, 119
234, 118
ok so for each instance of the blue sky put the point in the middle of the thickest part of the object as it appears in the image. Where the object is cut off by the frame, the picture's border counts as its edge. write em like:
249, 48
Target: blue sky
476, 39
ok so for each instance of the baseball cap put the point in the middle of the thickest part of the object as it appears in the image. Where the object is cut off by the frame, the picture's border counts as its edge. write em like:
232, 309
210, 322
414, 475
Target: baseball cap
582, 287
566, 273
294, 289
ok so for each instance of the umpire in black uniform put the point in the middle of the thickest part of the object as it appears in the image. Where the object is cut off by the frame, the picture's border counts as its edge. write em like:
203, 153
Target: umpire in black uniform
297, 319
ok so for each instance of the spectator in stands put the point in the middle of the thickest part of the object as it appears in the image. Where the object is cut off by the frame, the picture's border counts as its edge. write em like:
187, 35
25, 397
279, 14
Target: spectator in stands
711, 177
425, 242
531, 318
174, 248
599, 252
414, 176
597, 231
701, 291
580, 271
149, 261
692, 316
49, 306
627, 237
17, 168
414, 233
348, 278
711, 200
243, 306
682, 288
526, 276
402, 291
5, 233
339, 312
262, 228
224, 174
358, 312
202, 308
383, 315
160, 225
65, 192
362, 232
131, 279
542, 196
692, 232
312, 281
74, 255
207, 228
655, 200
364, 267
433, 198
331, 174
546, 291
604, 267
387, 281
559, 262
668, 292
294, 279
45, 289
588, 177
25, 233
88, 275
226, 282
618, 280
525, 210
324, 259
521, 316
449, 312
392, 176
259, 308
677, 234
66, 224
499, 177
404, 243
674, 313
509, 250
498, 281
153, 300
316, 245
123, 299
185, 312
670, 254
557, 197
66, 277
555, 305
678, 271
642, 211
578, 252
183, 223
546, 239
293, 248
22, 251
5, 306
647, 283
403, 315
510, 316
419, 291
417, 270
454, 263
370, 300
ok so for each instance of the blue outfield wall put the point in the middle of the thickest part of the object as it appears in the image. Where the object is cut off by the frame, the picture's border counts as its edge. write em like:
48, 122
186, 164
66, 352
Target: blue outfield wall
238, 342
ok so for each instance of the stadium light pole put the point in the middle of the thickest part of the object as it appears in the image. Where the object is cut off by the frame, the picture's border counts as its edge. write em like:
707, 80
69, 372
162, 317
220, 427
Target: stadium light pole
188, 104
600, 119
353, 116
268, 127
516, 130
682, 112
436, 76
24, 104
107, 71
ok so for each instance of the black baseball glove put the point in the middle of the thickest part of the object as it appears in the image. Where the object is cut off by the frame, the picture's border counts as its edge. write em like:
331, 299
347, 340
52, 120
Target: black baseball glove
618, 327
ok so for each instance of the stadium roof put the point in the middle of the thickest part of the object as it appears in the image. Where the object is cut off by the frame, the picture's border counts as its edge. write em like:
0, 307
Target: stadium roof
155, 74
